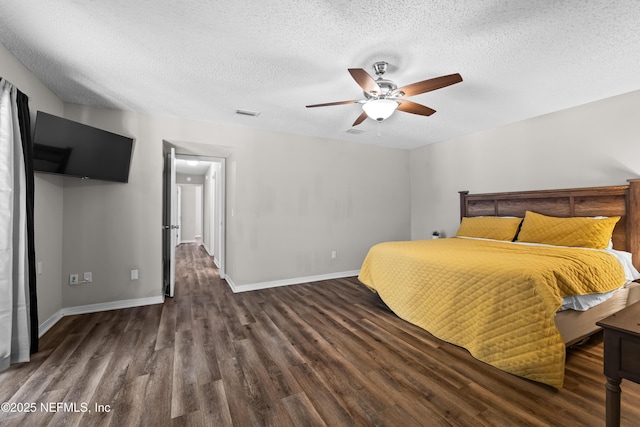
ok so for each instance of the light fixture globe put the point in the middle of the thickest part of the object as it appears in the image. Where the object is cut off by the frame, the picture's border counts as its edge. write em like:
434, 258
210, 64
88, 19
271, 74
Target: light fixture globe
379, 109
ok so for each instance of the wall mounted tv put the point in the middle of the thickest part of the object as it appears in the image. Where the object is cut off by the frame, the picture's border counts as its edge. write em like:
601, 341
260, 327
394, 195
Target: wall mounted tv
65, 147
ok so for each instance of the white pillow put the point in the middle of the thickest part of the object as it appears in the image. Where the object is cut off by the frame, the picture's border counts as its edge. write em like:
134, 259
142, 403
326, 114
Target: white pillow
625, 259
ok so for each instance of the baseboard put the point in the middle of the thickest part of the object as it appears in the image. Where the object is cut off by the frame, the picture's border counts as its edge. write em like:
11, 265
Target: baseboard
48, 324
139, 302
216, 262
287, 282
206, 248
94, 308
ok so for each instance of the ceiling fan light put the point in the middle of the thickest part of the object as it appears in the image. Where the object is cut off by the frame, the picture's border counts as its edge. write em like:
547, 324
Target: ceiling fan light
379, 109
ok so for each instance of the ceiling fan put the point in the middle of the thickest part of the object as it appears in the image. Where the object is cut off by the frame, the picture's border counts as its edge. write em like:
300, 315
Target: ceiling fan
383, 97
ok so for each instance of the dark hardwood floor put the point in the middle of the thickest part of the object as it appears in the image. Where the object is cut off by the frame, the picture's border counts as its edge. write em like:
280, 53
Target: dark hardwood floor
321, 354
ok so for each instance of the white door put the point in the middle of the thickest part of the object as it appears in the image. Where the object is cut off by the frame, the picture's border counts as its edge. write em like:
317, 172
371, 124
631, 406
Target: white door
170, 226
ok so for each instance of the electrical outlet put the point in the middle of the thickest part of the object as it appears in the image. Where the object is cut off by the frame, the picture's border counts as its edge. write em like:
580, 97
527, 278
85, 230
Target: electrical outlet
73, 279
134, 274
88, 277
334, 254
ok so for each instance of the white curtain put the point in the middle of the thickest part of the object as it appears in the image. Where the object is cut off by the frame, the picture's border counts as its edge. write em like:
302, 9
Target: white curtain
14, 282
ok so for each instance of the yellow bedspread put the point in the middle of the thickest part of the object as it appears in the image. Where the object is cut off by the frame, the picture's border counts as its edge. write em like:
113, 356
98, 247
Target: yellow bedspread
496, 299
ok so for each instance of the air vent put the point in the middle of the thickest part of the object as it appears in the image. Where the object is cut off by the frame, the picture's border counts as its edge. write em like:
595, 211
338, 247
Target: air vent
248, 113
355, 131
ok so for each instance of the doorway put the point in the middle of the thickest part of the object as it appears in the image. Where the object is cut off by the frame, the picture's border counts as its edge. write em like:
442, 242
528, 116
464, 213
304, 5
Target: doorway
207, 174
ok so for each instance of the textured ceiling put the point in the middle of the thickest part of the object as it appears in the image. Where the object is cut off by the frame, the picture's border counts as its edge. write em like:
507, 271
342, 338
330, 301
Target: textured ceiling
203, 59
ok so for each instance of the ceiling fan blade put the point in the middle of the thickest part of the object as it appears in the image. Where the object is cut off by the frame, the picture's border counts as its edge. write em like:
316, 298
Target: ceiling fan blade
429, 85
332, 103
414, 108
361, 118
366, 82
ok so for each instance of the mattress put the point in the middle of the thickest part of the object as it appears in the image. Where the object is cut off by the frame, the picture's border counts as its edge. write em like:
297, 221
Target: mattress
575, 325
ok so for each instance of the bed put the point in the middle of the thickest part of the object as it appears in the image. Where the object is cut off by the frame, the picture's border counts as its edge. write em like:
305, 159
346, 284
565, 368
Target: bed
481, 294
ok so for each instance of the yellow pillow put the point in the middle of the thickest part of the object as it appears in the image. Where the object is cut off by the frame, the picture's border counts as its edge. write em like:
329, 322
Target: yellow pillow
581, 232
489, 227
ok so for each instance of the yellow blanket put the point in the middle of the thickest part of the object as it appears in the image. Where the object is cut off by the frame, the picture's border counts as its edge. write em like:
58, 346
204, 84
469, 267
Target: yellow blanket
496, 299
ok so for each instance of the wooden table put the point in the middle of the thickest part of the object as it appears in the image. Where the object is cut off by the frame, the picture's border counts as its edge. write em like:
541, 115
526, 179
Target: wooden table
621, 355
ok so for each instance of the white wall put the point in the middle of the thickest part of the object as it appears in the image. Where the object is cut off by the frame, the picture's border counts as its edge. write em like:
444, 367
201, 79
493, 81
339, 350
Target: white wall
212, 205
191, 209
48, 192
191, 219
217, 205
291, 200
112, 228
182, 178
48, 216
208, 206
590, 145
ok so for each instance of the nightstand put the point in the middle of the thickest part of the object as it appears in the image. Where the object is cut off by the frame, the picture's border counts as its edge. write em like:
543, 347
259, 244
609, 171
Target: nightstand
621, 355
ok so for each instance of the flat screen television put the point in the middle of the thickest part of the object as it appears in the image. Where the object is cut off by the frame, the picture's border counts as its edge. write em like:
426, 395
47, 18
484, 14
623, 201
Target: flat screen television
65, 147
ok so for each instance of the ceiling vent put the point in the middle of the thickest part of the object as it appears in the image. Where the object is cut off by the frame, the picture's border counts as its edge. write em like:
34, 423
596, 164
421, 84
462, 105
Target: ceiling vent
355, 131
248, 113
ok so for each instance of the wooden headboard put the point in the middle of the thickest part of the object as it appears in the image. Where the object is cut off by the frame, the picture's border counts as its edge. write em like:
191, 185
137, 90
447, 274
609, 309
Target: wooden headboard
620, 200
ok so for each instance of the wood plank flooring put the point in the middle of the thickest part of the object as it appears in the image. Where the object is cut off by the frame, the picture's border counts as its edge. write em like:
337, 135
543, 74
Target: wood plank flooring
321, 354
